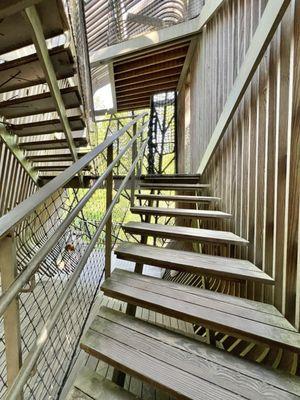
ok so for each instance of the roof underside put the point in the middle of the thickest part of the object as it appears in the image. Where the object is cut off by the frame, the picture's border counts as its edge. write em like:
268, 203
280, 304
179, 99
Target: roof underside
138, 76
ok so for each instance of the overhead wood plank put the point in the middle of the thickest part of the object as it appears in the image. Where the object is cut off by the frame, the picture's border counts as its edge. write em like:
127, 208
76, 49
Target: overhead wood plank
156, 38
52, 16
32, 17
179, 212
204, 308
195, 263
268, 24
47, 126
38, 104
9, 7
51, 144
183, 367
27, 71
184, 233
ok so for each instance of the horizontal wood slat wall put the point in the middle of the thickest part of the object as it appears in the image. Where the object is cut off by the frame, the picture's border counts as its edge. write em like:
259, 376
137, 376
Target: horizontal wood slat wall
256, 167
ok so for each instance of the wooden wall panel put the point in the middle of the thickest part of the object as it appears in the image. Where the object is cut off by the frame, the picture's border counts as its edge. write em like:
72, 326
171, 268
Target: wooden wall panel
256, 167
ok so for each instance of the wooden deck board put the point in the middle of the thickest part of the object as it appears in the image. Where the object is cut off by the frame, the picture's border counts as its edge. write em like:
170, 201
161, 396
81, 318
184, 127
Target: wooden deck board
185, 261
184, 233
179, 212
181, 366
203, 308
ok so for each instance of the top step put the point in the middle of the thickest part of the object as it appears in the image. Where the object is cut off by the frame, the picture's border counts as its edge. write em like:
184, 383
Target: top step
178, 178
192, 187
16, 31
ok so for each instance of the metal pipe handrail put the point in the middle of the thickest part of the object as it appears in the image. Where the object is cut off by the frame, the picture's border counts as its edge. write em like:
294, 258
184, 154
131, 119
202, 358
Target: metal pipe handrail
34, 353
8, 296
26, 207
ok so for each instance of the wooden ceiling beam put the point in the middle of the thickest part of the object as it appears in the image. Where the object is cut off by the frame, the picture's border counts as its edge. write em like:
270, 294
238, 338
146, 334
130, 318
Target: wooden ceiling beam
153, 60
153, 76
157, 50
141, 93
143, 85
152, 69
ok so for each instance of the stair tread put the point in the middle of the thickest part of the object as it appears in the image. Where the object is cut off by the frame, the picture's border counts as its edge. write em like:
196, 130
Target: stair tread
91, 385
46, 127
188, 199
186, 261
28, 70
174, 186
54, 157
179, 212
186, 233
38, 103
54, 23
183, 367
217, 311
52, 144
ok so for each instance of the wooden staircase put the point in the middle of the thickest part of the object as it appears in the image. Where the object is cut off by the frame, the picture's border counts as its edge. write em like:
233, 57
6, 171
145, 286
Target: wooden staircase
186, 367
42, 82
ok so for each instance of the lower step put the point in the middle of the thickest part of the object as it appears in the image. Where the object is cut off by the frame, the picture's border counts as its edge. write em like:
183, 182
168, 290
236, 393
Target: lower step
91, 386
182, 367
244, 319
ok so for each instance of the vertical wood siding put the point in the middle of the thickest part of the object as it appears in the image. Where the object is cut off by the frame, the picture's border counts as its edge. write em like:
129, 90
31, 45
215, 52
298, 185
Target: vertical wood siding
15, 184
256, 167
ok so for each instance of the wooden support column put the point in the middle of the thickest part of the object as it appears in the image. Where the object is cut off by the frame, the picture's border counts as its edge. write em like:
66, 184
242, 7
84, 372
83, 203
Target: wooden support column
133, 176
108, 230
11, 318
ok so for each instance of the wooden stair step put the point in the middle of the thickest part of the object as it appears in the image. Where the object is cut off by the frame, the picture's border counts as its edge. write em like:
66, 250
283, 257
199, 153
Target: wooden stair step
195, 263
184, 233
183, 367
186, 199
174, 186
179, 212
56, 167
54, 157
28, 71
46, 127
51, 144
16, 32
89, 385
38, 103
178, 178
245, 319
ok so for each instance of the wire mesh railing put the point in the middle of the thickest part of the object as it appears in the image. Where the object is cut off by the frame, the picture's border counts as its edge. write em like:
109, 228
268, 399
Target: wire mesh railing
52, 260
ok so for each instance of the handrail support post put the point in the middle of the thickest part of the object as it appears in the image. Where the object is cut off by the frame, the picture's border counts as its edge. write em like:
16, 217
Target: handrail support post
11, 317
108, 230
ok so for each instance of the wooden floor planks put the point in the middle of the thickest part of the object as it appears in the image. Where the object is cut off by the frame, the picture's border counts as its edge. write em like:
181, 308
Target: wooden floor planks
184, 367
228, 314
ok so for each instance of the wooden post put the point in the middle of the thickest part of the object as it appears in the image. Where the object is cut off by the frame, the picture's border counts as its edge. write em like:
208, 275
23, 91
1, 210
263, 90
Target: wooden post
132, 178
109, 189
11, 318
